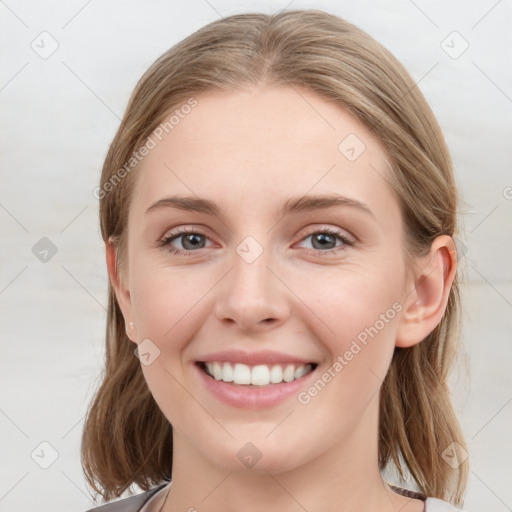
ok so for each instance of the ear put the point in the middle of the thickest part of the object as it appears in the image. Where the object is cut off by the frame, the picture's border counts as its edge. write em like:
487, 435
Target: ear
120, 289
426, 303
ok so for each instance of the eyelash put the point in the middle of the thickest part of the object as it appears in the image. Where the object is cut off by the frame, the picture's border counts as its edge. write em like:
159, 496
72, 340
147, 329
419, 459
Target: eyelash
329, 231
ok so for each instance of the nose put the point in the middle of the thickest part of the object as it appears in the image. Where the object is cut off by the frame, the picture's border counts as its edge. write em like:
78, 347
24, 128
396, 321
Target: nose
252, 297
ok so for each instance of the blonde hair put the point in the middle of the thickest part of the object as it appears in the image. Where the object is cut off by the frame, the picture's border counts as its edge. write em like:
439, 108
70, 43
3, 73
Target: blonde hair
126, 439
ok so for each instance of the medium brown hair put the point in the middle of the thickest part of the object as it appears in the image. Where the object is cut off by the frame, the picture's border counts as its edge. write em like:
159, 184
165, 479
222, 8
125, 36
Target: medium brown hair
126, 439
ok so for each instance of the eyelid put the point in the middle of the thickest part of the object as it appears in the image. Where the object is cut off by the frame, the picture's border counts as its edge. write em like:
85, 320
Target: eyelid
179, 232
343, 235
335, 231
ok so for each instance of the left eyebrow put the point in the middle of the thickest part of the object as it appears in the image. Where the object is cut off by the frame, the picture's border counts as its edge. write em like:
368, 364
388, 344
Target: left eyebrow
319, 202
293, 205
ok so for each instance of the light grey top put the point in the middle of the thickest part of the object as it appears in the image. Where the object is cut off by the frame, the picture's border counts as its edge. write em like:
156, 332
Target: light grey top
143, 502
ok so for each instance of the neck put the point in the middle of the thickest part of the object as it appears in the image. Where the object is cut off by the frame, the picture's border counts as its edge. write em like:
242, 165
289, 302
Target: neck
345, 478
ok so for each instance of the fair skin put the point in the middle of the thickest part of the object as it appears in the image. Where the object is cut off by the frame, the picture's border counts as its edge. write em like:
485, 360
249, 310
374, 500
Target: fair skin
249, 152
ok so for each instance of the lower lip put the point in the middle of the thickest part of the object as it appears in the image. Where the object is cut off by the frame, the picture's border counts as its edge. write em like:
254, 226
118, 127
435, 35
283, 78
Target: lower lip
253, 397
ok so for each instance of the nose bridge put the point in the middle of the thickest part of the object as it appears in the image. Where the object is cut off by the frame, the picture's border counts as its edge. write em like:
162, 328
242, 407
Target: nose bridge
252, 295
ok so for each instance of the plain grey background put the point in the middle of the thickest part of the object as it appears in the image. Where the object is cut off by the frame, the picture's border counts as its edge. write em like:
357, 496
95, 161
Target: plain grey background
67, 71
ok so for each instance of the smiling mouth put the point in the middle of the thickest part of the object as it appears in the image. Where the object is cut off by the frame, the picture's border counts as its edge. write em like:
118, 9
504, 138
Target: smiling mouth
239, 374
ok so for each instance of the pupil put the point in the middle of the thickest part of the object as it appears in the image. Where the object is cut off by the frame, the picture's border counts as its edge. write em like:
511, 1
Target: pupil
186, 238
322, 237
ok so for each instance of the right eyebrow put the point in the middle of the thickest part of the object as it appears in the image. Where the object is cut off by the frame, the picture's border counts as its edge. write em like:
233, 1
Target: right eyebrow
187, 203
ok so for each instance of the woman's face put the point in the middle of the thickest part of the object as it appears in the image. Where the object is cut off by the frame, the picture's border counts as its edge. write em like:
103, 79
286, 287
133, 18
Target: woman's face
274, 269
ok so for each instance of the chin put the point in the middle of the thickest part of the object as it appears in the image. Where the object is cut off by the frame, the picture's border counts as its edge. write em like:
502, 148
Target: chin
255, 457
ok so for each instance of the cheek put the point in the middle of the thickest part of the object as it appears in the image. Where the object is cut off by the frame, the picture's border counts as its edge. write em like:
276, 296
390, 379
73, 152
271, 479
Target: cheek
349, 301
163, 296
361, 353
167, 301
362, 313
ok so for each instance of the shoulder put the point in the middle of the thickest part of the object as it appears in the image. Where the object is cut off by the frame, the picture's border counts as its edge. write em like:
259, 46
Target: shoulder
130, 504
431, 504
437, 505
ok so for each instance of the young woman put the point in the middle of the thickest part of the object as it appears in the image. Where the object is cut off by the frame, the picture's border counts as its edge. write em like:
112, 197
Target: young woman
278, 209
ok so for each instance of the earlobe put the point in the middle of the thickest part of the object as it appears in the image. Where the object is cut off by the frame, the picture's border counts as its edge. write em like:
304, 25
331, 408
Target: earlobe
426, 303
122, 293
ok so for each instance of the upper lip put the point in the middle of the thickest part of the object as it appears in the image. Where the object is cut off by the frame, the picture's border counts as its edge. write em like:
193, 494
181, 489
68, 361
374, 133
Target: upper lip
253, 358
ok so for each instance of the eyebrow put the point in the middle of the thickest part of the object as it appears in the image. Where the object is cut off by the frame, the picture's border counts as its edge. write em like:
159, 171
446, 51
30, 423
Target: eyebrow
300, 204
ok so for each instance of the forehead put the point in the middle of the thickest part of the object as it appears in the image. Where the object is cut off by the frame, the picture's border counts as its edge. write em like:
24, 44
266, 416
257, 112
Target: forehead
263, 142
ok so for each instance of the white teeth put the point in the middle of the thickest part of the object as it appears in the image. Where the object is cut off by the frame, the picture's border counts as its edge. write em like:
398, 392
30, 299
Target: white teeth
227, 373
276, 374
300, 372
217, 371
289, 373
259, 375
241, 374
